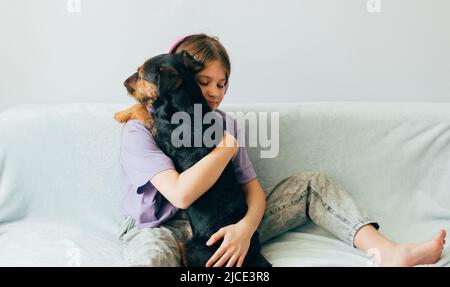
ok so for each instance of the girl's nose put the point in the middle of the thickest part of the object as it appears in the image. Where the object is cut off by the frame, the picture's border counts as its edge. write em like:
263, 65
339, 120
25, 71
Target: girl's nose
213, 92
212, 98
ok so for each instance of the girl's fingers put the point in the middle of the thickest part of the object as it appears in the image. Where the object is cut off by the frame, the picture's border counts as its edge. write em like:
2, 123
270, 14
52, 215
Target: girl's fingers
240, 261
216, 236
232, 260
219, 252
223, 259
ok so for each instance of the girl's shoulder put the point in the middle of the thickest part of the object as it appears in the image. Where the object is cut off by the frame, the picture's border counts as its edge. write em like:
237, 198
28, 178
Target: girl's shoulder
231, 122
135, 126
134, 133
228, 116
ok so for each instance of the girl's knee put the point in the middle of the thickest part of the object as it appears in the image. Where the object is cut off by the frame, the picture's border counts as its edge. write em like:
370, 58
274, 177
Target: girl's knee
317, 180
313, 175
154, 259
153, 247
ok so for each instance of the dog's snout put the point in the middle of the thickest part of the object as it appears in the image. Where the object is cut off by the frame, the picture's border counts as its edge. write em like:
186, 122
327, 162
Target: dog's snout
131, 80
129, 85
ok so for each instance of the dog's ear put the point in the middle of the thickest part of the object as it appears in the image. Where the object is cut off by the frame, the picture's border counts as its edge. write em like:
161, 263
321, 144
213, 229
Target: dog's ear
167, 69
169, 77
190, 63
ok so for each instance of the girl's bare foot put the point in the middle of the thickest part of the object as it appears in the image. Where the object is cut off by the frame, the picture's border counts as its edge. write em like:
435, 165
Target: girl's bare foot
428, 252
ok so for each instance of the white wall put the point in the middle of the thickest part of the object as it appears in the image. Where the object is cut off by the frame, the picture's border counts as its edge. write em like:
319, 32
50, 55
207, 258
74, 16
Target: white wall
284, 50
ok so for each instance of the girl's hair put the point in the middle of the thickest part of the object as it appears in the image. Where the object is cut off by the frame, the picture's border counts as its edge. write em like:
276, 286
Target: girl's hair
204, 49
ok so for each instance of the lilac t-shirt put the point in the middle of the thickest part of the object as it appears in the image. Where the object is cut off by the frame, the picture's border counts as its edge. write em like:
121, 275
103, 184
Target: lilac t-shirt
140, 159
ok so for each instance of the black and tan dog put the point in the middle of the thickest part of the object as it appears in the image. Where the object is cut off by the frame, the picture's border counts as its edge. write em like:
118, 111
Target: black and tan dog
145, 93
167, 82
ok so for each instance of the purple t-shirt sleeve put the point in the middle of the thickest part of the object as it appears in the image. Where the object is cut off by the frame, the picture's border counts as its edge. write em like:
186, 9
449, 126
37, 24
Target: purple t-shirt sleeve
241, 161
140, 156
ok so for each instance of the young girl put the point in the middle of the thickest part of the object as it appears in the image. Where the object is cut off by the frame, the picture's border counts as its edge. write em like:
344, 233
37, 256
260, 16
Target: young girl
154, 194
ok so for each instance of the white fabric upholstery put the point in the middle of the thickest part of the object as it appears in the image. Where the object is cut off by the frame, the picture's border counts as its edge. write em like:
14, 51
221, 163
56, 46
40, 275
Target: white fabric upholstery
59, 184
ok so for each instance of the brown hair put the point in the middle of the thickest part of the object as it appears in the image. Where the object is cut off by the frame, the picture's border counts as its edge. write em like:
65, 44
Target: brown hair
204, 49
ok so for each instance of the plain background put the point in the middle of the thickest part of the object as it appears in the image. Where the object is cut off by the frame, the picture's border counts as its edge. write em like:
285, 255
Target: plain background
281, 51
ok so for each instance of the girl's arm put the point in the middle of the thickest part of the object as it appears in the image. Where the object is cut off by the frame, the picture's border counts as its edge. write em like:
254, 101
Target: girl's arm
236, 237
182, 189
256, 202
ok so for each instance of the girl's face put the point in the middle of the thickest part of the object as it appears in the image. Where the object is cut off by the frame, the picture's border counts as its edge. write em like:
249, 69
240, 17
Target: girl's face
212, 83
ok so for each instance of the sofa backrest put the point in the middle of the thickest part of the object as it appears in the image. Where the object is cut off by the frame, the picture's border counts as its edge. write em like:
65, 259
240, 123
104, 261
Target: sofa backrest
394, 158
60, 162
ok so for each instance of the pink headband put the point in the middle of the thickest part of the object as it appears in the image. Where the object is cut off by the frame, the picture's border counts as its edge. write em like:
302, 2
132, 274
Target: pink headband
177, 43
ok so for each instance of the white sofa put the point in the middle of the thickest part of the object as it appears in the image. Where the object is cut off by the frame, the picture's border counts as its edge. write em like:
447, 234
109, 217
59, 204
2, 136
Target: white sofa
59, 184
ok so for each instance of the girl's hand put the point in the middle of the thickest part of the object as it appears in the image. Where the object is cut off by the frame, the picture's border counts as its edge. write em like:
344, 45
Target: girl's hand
234, 248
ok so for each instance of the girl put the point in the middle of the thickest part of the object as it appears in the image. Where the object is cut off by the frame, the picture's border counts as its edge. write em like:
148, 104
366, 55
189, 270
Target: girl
154, 194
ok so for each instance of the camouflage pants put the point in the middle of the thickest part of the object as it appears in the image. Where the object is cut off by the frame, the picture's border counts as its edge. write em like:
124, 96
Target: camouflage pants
296, 200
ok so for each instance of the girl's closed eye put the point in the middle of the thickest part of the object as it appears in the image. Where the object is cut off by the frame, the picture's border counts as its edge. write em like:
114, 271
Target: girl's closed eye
205, 84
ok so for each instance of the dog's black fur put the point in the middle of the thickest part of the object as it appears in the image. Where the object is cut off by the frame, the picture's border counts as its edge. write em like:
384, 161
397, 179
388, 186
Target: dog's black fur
225, 202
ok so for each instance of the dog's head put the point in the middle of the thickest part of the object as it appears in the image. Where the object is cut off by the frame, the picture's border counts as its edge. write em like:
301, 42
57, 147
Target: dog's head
160, 75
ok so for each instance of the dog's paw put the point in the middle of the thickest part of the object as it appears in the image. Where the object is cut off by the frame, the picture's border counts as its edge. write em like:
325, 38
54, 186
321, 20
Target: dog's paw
136, 112
148, 123
141, 113
122, 116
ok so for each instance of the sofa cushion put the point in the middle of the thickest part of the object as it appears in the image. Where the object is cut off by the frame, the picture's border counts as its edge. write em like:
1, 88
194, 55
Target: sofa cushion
59, 175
